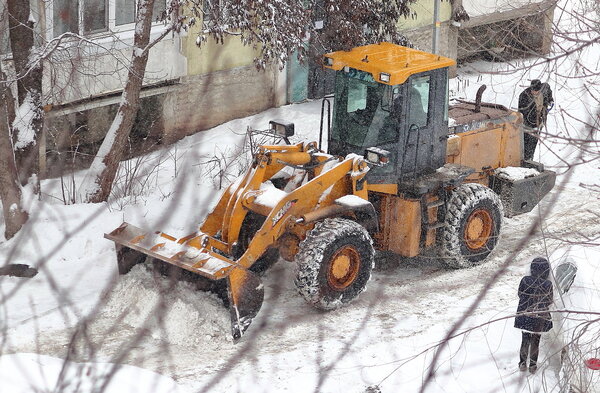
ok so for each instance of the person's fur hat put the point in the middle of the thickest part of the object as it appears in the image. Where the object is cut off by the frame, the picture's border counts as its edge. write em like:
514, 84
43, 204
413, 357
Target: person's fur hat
540, 267
536, 85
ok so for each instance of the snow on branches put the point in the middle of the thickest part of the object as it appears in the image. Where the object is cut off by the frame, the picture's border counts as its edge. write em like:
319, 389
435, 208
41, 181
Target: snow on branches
276, 28
279, 28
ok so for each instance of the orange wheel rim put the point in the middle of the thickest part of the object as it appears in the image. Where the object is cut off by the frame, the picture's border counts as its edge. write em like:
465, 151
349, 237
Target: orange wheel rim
343, 268
478, 229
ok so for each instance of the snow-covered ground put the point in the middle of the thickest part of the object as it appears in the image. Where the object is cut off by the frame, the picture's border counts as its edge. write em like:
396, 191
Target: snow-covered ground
77, 308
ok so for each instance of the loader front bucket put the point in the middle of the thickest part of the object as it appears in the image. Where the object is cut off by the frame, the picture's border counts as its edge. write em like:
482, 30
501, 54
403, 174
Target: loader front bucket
245, 291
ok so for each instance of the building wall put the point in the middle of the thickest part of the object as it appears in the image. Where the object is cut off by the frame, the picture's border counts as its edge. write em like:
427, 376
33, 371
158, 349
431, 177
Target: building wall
508, 32
418, 28
422, 38
186, 89
206, 100
85, 71
422, 14
212, 56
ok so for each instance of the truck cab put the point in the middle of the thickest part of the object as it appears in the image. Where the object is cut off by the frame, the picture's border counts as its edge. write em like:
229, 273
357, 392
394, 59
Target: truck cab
394, 98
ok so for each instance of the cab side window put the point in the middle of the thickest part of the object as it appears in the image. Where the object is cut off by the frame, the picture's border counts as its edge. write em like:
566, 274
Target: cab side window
418, 92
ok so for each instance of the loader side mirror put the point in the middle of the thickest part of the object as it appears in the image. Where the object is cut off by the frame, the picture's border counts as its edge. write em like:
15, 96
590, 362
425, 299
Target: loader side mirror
282, 128
376, 156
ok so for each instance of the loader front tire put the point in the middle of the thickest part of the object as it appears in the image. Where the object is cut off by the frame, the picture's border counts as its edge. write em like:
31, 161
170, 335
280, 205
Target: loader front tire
334, 263
471, 227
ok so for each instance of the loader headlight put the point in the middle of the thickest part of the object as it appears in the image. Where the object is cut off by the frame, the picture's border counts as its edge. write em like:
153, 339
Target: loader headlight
384, 77
282, 128
328, 61
376, 156
372, 157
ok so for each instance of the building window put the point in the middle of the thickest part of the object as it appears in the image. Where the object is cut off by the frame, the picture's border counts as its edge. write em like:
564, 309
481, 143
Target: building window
158, 10
96, 16
124, 12
66, 16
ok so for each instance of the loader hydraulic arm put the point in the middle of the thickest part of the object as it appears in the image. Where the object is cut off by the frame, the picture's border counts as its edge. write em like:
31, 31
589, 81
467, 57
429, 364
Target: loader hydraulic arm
301, 201
280, 208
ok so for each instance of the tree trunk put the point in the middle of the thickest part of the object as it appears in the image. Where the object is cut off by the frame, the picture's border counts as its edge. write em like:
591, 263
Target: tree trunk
10, 191
106, 163
29, 86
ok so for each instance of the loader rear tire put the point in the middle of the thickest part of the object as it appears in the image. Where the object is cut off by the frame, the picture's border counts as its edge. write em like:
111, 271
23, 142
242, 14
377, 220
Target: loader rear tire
334, 263
471, 227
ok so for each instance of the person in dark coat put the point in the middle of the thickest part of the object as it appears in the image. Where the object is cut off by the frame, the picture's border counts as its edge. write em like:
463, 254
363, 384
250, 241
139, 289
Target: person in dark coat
533, 316
534, 104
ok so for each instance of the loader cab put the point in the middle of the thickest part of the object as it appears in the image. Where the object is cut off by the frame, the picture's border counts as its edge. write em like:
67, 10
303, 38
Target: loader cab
393, 98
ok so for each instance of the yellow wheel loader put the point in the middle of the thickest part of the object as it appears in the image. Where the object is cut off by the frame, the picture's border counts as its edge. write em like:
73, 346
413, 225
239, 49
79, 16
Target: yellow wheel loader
404, 173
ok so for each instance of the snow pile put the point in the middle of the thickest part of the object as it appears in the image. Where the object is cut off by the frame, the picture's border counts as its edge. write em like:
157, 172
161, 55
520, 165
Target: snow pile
516, 173
180, 315
24, 373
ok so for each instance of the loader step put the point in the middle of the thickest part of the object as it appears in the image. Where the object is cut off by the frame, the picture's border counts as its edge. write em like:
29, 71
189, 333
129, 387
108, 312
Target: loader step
437, 203
435, 225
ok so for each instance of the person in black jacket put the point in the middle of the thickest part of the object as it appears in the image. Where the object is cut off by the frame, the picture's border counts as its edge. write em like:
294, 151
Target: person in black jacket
534, 104
533, 316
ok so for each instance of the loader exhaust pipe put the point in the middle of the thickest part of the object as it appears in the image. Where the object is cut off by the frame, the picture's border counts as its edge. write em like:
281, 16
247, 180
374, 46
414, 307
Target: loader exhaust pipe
478, 96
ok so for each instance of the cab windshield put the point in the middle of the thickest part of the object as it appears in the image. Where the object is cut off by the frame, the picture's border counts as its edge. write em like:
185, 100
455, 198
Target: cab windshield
361, 107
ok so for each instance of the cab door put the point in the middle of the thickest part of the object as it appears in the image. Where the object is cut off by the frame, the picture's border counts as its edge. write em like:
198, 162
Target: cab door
423, 139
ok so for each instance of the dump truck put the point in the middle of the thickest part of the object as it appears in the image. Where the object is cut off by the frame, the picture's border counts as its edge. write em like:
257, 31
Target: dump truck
404, 172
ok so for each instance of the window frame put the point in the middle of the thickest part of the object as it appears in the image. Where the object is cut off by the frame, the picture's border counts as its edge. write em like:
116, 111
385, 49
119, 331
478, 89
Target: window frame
82, 18
412, 82
111, 26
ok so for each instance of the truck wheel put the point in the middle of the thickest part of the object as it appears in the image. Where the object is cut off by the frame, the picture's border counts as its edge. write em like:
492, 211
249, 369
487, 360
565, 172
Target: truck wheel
334, 263
251, 224
472, 225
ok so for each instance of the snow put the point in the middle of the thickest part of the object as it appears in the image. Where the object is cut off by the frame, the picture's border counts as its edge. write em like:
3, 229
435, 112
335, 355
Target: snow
26, 372
387, 337
136, 300
479, 7
351, 201
269, 196
516, 173
23, 123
